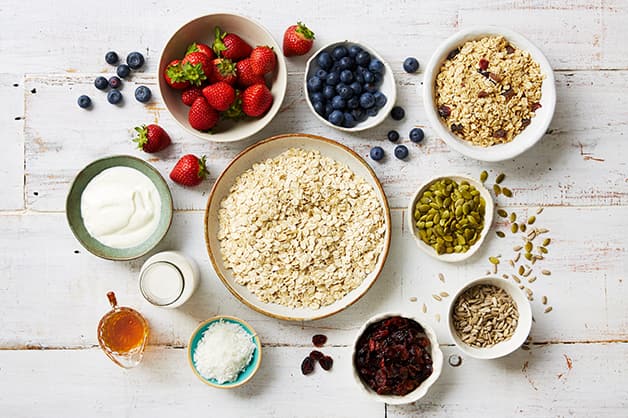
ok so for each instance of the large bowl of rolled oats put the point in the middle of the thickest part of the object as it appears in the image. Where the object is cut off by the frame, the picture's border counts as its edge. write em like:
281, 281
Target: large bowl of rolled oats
297, 227
489, 93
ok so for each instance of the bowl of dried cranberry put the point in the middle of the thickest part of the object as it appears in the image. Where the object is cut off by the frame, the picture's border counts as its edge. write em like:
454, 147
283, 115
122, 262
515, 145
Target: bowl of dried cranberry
396, 359
222, 77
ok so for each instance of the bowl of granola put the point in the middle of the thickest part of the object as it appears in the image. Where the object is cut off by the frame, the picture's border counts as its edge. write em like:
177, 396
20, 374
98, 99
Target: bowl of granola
489, 93
297, 227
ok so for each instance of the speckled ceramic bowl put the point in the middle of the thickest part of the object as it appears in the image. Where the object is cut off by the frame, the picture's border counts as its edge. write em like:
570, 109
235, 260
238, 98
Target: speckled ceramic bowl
75, 220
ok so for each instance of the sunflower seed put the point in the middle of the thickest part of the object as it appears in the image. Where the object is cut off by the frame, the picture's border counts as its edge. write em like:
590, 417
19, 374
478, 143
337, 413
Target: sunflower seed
505, 276
542, 231
438, 298
527, 272
528, 246
516, 257
543, 250
539, 211
546, 272
512, 263
497, 190
516, 279
500, 178
548, 309
532, 279
521, 286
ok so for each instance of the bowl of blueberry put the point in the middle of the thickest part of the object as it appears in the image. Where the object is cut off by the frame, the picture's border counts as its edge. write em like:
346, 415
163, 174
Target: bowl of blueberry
349, 86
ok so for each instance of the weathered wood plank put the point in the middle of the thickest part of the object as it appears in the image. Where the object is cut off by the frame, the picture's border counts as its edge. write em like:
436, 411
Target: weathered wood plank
46, 284
582, 161
12, 134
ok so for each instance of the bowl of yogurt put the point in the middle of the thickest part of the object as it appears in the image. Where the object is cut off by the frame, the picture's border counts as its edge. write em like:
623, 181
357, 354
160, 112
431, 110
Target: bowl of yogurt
119, 207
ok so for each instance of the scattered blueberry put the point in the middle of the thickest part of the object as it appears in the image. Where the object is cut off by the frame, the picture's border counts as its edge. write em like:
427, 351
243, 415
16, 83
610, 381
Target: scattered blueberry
363, 58
339, 52
367, 100
397, 113
111, 58
115, 82
393, 136
325, 61
114, 96
411, 65
416, 135
101, 83
329, 91
349, 120
346, 76
135, 60
338, 103
377, 153
401, 152
123, 70
322, 74
354, 50
84, 101
380, 99
336, 117
376, 66
143, 94
314, 84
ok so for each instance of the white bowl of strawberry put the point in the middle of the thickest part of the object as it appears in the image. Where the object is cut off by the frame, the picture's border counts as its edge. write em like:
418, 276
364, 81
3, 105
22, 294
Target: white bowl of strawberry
222, 77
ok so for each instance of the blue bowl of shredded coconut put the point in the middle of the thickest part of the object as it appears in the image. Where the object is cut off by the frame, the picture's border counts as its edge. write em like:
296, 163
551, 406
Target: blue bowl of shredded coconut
224, 352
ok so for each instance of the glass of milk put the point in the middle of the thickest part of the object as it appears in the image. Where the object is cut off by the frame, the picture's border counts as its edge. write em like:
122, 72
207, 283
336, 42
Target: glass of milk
168, 279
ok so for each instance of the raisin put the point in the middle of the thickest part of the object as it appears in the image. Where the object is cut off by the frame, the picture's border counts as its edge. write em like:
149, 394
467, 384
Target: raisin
453, 53
319, 340
483, 64
525, 122
510, 49
444, 111
326, 362
316, 355
535, 107
456, 127
508, 94
307, 366
482, 95
500, 133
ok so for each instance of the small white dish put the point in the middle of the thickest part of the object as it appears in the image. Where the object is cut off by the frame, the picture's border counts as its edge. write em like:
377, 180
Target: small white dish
529, 136
488, 219
388, 88
421, 390
521, 333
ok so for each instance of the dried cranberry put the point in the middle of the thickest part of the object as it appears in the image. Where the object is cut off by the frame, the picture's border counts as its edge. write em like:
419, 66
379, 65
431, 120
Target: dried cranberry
482, 95
319, 340
483, 64
326, 362
495, 77
535, 107
508, 94
316, 355
444, 111
453, 53
307, 366
510, 49
500, 133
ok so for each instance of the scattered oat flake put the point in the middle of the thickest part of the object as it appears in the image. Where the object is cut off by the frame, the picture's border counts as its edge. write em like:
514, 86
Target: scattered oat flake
438, 298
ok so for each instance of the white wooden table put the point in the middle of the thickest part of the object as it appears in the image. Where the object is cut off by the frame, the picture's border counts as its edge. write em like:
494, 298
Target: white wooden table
52, 292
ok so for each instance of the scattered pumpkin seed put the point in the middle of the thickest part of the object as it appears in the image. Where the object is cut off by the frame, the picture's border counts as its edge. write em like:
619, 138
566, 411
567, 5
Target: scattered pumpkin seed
512, 263
531, 220
500, 178
502, 213
436, 297
514, 228
413, 299
532, 279
497, 190
528, 256
547, 241
527, 272
539, 211
493, 260
507, 192
548, 309
522, 227
528, 246
513, 217
483, 176
500, 234
546, 272
543, 250
544, 300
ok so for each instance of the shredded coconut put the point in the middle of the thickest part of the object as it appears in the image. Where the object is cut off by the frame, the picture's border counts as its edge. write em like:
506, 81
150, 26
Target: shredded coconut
224, 351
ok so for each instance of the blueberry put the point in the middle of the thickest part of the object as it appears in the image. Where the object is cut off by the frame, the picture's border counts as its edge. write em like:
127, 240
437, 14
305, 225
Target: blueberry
114, 96
349, 121
346, 76
368, 77
358, 76
135, 60
84, 101
320, 73
123, 70
393, 136
353, 103
325, 61
338, 103
401, 152
344, 91
317, 97
376, 66
397, 113
333, 78
111, 58
367, 100
101, 83
115, 82
356, 87
411, 65
336, 117
377, 153
339, 52
329, 91
372, 111
354, 50
359, 114
363, 58
370, 87
319, 107
143, 94
378, 78
417, 135
380, 99
328, 109
346, 63
314, 84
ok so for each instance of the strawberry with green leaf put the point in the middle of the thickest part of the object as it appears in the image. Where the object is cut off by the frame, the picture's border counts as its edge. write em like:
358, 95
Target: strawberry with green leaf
197, 67
200, 47
151, 138
189, 170
223, 69
230, 46
175, 76
297, 40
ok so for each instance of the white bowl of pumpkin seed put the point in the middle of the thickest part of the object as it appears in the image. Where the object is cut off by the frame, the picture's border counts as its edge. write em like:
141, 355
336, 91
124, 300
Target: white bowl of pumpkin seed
450, 217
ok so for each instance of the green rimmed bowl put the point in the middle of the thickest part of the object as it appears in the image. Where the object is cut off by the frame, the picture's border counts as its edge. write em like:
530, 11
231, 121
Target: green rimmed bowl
75, 220
251, 368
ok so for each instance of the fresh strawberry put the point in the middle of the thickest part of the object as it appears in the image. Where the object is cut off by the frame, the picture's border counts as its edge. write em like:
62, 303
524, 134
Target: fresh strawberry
223, 70
189, 170
188, 96
256, 100
230, 46
235, 110
151, 138
202, 116
197, 67
219, 95
174, 76
297, 40
246, 75
199, 47
263, 60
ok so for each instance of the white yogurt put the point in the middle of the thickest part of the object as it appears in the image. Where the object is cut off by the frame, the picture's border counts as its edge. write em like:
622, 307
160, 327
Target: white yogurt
120, 207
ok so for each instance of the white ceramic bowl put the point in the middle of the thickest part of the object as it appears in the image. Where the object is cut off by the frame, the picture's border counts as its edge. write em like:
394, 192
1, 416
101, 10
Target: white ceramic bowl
524, 323
419, 392
261, 151
529, 136
388, 88
201, 29
488, 219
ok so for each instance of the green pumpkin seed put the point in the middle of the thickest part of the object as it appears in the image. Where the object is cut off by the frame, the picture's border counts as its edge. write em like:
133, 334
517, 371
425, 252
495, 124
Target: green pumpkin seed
500, 178
514, 228
497, 190
543, 250
522, 227
521, 270
483, 176
531, 220
493, 260
546, 242
500, 234
513, 217
502, 213
507, 192
528, 246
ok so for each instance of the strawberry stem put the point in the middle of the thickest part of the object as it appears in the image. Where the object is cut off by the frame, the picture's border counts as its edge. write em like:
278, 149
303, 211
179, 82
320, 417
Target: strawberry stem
194, 73
219, 45
142, 137
304, 31
202, 167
